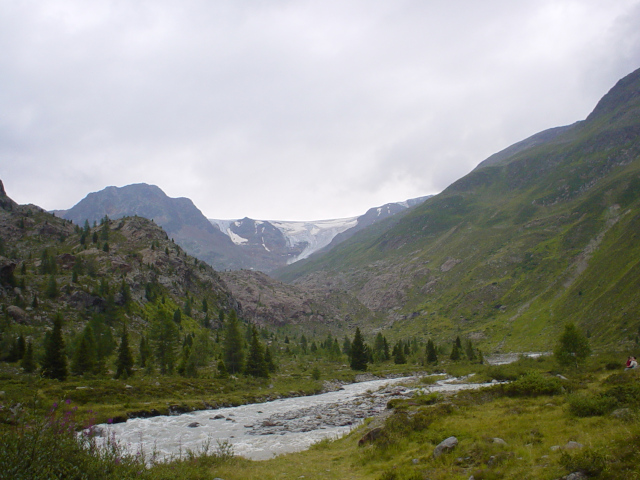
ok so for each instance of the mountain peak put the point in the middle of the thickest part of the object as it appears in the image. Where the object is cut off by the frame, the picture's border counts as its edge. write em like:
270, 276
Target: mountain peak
625, 93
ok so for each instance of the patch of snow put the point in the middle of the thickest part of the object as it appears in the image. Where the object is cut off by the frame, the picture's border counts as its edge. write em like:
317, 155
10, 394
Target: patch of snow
237, 239
316, 234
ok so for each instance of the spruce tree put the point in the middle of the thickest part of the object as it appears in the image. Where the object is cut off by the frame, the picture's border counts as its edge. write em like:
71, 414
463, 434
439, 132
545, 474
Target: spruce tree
164, 336
256, 363
398, 354
54, 363
470, 351
52, 287
85, 357
124, 362
144, 352
28, 361
268, 358
358, 352
233, 345
455, 351
432, 355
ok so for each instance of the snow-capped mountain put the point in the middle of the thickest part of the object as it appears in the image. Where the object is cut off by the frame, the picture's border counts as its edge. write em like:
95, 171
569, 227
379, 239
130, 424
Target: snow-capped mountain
290, 241
295, 240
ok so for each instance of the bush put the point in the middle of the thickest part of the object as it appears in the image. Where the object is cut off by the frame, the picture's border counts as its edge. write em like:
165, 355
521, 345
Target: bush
50, 448
532, 384
588, 461
591, 405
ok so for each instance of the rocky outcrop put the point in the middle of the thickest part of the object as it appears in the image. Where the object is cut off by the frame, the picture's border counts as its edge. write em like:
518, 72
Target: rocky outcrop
445, 446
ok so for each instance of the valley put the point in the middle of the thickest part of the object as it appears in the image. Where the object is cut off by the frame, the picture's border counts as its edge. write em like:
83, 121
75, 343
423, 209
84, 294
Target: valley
132, 304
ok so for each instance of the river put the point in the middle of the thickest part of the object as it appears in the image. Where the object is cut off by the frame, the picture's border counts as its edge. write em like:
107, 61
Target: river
264, 430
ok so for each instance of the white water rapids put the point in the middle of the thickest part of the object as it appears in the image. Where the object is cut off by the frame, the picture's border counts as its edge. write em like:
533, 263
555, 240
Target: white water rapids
243, 427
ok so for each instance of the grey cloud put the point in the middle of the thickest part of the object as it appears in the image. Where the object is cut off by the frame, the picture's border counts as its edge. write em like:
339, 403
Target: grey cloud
291, 109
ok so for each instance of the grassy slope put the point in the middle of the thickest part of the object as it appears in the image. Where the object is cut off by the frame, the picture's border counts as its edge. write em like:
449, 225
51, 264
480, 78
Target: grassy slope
546, 235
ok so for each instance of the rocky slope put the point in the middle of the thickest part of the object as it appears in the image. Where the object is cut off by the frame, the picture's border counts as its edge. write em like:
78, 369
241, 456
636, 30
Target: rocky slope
113, 269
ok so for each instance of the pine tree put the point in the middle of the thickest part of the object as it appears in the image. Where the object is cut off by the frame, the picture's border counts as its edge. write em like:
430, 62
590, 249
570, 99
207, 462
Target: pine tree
432, 355
573, 347
28, 361
358, 352
144, 352
233, 345
398, 354
268, 358
222, 370
54, 363
455, 351
165, 336
52, 287
124, 362
470, 351
85, 357
256, 363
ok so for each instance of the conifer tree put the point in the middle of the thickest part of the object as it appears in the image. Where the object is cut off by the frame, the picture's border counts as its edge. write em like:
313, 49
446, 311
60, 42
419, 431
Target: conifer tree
398, 353
54, 363
470, 351
28, 361
573, 347
144, 352
85, 357
222, 370
52, 287
432, 355
455, 351
256, 362
233, 345
124, 362
358, 352
165, 336
268, 358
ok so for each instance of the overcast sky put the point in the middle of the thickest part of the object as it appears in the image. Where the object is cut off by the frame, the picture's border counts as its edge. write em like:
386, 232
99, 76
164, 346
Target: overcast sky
291, 110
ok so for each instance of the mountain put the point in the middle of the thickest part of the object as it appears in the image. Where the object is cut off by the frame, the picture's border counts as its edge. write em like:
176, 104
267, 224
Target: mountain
224, 244
109, 272
272, 244
544, 232
179, 217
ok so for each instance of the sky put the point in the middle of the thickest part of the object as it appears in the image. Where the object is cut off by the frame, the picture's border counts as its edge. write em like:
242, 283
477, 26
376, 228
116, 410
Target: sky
291, 109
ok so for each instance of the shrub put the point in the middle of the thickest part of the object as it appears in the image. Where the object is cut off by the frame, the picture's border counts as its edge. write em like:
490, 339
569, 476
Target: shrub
50, 448
591, 405
532, 384
588, 461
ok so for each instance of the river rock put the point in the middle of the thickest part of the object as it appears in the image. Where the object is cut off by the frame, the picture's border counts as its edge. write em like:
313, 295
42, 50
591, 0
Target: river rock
445, 446
193, 425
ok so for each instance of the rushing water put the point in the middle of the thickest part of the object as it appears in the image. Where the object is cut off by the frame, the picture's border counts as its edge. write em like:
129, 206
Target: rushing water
263, 430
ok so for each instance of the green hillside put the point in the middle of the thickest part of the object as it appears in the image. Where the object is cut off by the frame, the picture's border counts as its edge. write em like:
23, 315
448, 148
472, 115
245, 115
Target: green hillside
542, 233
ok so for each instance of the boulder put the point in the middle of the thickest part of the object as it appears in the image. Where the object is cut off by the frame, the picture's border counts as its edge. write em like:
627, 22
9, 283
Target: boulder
370, 436
17, 314
445, 446
572, 446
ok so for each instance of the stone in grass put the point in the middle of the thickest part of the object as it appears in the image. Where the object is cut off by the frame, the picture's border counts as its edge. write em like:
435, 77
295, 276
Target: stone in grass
572, 445
445, 446
370, 436
499, 441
